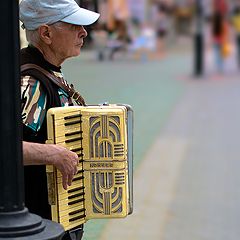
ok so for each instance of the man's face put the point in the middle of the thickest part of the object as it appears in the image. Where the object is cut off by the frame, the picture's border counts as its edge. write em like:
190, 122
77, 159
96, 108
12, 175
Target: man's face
67, 40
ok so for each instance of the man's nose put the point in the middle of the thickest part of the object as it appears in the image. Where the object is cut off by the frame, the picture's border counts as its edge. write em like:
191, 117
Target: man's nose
83, 32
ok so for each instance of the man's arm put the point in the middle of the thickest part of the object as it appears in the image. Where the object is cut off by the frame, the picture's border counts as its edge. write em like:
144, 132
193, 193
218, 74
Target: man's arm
42, 154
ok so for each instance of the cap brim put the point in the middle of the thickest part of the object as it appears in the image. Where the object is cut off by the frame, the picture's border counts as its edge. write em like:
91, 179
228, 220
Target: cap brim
82, 17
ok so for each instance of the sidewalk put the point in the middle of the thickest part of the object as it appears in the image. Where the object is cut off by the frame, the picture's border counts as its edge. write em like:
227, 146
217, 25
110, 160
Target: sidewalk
188, 184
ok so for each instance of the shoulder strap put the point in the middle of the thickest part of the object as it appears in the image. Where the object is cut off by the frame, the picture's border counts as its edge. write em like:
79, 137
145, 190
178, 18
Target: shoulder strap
68, 89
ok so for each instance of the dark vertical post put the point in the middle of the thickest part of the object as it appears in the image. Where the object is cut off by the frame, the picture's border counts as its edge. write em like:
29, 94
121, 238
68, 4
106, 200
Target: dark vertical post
95, 4
199, 40
11, 178
15, 220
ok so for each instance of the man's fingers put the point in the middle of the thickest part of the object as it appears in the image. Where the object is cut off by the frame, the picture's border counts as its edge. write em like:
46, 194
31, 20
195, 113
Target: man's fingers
64, 181
75, 170
69, 169
75, 162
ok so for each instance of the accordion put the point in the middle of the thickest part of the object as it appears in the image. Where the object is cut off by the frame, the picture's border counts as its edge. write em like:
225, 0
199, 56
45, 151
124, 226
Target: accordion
102, 137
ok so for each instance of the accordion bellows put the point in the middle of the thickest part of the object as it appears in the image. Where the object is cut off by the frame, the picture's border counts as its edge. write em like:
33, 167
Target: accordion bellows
102, 136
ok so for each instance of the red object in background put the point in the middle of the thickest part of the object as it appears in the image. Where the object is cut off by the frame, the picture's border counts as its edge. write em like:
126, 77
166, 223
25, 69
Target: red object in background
220, 5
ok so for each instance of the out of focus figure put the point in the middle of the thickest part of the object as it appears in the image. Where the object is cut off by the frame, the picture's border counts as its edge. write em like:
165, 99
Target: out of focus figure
118, 14
117, 25
184, 15
161, 23
220, 6
236, 25
220, 34
144, 43
119, 39
100, 40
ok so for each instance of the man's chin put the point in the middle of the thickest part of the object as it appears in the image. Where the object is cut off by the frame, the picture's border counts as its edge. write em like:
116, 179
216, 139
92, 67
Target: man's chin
76, 53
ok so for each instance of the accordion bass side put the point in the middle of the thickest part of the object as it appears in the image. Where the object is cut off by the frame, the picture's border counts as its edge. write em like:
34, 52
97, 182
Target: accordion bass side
102, 136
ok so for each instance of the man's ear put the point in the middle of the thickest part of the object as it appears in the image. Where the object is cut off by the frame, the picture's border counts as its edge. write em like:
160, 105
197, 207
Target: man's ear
45, 34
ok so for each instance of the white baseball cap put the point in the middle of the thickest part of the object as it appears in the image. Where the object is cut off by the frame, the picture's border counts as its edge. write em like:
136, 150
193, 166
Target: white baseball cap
34, 13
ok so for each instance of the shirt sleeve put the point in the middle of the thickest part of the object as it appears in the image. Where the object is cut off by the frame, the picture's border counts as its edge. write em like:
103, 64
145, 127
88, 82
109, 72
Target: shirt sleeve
33, 103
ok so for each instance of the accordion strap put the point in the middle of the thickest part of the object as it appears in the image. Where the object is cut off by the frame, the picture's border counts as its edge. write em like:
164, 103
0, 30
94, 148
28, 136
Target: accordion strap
69, 89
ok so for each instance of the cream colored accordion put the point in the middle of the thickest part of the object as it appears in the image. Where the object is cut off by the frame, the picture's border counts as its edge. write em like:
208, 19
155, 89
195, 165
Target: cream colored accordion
102, 136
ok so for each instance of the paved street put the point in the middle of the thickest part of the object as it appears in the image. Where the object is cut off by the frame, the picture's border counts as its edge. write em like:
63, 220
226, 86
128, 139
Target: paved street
186, 180
188, 184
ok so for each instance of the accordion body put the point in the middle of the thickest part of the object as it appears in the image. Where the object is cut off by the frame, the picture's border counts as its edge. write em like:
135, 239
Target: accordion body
102, 137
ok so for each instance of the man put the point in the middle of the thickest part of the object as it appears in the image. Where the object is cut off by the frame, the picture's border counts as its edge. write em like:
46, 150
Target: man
55, 32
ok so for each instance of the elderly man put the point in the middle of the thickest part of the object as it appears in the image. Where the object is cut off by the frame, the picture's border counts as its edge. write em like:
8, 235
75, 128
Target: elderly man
55, 32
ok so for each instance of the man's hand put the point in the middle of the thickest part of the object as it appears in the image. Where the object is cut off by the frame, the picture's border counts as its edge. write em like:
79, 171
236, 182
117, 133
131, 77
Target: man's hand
63, 159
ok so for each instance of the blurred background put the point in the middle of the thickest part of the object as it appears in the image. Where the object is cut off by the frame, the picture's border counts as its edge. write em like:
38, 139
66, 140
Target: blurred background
176, 62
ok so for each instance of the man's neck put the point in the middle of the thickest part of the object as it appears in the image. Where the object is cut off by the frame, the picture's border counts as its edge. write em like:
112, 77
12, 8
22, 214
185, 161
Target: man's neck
49, 55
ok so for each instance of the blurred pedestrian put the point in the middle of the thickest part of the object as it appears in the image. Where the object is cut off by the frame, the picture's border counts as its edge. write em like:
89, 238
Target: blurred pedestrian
144, 45
236, 26
220, 38
119, 39
118, 15
100, 40
161, 24
220, 6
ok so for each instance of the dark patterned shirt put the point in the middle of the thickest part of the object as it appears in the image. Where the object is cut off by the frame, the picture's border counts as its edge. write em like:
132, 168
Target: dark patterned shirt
34, 100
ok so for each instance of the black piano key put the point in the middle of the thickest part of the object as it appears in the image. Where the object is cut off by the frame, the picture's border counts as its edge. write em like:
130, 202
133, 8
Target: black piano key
73, 116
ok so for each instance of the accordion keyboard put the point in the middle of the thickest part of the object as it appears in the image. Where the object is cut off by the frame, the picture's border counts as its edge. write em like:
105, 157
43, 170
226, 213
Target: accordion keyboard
68, 206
